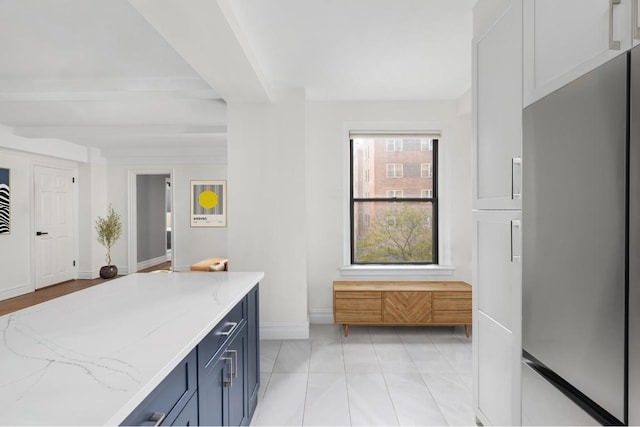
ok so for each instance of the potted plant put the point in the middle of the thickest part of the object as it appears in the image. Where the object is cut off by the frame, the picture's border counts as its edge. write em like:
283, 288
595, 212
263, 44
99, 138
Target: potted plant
109, 230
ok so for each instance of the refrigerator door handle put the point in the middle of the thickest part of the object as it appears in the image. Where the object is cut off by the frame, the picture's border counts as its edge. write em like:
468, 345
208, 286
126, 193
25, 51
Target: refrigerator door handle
613, 44
516, 245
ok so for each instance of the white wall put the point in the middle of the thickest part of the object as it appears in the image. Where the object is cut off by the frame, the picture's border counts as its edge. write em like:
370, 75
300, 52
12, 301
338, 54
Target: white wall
16, 257
327, 189
267, 207
189, 244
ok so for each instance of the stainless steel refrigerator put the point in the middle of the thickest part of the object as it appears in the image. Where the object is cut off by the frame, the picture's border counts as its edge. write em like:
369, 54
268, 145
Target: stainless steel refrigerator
581, 250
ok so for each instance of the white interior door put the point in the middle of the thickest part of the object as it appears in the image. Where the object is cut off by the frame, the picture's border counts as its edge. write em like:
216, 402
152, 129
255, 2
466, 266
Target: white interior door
53, 225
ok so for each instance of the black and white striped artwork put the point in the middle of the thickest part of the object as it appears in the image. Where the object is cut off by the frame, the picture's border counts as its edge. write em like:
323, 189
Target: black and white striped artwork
208, 203
5, 212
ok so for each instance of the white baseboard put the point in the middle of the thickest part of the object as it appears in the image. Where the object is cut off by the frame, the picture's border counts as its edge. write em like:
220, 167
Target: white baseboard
14, 292
284, 330
88, 274
151, 262
321, 315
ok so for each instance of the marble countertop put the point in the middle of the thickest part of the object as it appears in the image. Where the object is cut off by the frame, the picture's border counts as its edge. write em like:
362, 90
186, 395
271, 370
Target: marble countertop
89, 358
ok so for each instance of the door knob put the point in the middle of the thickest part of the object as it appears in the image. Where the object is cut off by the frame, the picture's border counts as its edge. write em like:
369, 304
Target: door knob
41, 233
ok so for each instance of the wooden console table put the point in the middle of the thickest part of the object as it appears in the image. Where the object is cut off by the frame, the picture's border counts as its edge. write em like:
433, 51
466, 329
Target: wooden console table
394, 303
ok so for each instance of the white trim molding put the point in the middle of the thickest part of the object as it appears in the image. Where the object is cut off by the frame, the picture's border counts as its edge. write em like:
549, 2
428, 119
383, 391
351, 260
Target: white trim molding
17, 291
151, 262
284, 330
396, 270
321, 316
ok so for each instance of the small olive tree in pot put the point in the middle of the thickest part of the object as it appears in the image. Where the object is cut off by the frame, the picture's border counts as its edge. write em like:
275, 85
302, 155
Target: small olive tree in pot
109, 230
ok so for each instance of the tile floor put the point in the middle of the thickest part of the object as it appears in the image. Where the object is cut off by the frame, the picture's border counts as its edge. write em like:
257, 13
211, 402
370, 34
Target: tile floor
375, 376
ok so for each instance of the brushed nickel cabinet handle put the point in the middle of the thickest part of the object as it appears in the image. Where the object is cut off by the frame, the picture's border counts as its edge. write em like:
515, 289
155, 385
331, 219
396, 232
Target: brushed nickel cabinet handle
228, 382
231, 329
157, 418
636, 29
234, 373
516, 178
613, 44
515, 226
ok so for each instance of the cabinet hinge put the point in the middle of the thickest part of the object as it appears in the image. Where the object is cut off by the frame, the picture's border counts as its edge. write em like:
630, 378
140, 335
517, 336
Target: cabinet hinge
73, 179
74, 262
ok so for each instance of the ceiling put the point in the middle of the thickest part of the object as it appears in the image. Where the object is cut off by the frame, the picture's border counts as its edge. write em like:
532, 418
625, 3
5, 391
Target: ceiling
150, 78
362, 49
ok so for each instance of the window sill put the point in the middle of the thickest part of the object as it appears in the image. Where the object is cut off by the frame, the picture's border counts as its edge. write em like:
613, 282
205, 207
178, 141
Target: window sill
396, 270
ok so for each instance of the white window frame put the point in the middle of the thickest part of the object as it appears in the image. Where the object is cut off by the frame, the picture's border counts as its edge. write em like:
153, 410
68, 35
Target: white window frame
395, 144
444, 268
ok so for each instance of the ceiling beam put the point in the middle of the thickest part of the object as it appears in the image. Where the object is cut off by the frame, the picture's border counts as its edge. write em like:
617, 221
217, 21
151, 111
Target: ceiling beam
70, 132
206, 35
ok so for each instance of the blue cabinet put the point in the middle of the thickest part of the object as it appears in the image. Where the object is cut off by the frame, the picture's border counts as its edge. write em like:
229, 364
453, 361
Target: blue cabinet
253, 357
166, 402
217, 383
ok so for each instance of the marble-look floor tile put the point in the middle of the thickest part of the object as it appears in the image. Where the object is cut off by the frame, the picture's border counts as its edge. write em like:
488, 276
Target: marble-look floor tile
393, 357
452, 396
384, 334
356, 334
428, 358
327, 403
264, 383
414, 404
283, 402
360, 357
269, 350
369, 400
326, 357
293, 356
325, 333
414, 334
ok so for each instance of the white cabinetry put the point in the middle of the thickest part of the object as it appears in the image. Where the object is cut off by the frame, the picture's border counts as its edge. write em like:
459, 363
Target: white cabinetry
565, 39
497, 183
497, 284
497, 118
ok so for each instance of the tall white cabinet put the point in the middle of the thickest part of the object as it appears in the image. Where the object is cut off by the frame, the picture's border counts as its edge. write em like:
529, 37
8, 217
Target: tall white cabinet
497, 204
565, 39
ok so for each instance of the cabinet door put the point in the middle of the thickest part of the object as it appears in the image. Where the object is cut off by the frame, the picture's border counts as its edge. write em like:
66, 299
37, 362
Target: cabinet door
213, 399
566, 39
497, 106
402, 307
189, 415
253, 352
238, 391
497, 315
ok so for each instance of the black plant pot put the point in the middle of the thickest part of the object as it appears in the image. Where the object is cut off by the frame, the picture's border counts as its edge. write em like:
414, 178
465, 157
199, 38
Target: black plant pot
108, 271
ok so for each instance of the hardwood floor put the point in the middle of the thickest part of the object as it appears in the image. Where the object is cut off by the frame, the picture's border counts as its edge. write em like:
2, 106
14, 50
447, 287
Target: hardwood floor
50, 292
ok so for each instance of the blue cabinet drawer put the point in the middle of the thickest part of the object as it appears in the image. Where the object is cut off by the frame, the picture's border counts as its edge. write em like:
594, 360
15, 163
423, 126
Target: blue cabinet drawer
214, 341
170, 397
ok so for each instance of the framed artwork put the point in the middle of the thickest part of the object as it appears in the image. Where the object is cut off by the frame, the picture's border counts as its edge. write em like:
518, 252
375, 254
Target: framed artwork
5, 211
208, 203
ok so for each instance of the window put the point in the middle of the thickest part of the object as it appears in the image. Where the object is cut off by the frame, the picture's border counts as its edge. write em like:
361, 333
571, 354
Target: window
426, 170
394, 144
426, 145
394, 170
388, 225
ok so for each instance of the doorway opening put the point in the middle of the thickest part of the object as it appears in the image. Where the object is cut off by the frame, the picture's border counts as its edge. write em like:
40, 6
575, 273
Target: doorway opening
151, 227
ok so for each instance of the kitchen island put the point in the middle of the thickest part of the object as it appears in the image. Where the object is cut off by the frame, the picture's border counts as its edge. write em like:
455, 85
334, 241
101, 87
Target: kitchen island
92, 357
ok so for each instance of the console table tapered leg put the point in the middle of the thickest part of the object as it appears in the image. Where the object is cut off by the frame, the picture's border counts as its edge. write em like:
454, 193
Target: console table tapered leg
346, 329
466, 330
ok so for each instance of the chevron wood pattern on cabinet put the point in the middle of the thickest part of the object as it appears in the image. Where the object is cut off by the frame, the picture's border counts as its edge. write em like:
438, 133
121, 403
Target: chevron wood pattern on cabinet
409, 303
407, 307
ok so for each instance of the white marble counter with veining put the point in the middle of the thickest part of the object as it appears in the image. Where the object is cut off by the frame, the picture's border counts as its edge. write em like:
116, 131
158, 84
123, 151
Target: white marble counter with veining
89, 358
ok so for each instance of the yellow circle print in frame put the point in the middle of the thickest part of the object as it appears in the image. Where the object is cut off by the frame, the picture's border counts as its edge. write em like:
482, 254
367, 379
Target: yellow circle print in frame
208, 199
